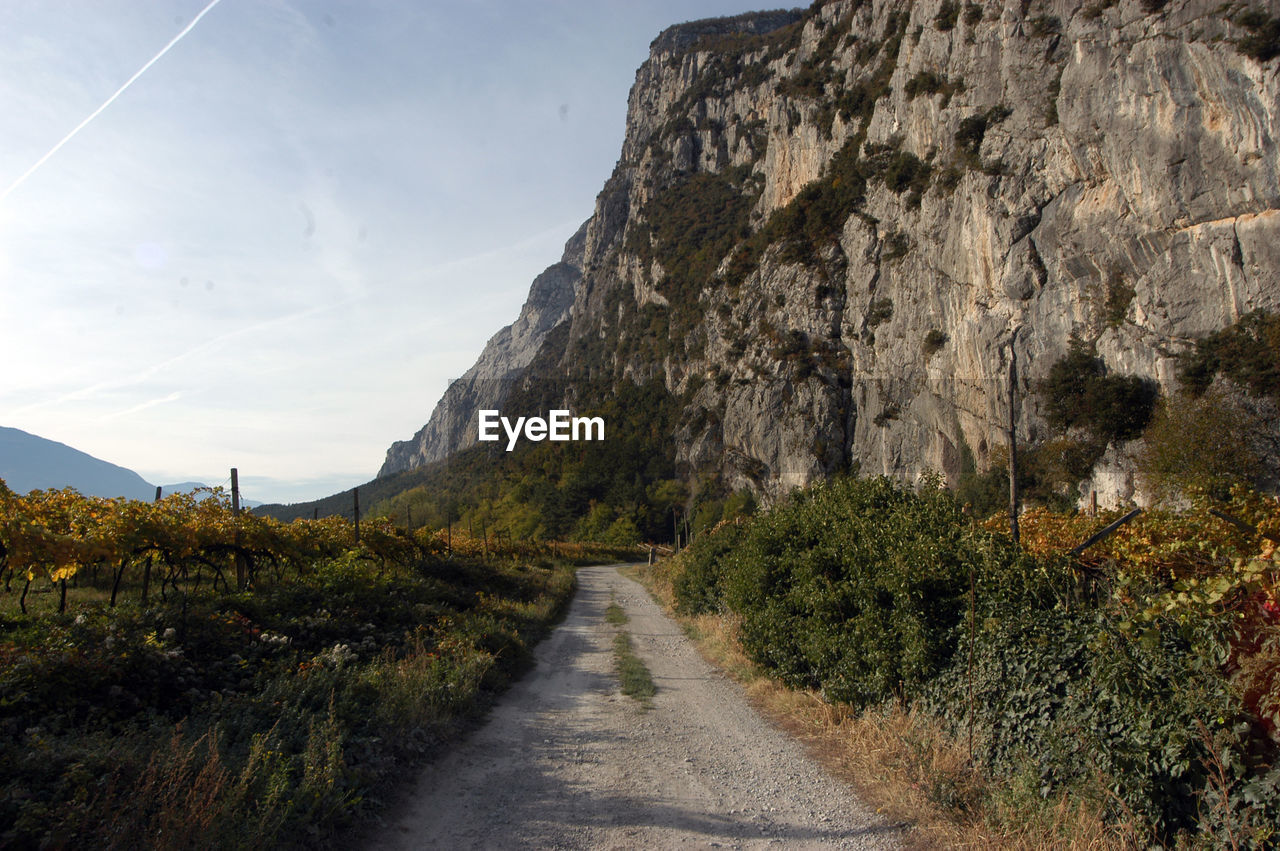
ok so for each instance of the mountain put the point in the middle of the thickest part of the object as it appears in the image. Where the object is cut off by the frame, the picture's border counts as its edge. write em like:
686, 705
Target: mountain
28, 462
830, 231
488, 382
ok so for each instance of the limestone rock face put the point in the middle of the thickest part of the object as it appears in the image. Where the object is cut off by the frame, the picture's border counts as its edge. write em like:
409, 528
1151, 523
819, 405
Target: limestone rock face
488, 382
826, 227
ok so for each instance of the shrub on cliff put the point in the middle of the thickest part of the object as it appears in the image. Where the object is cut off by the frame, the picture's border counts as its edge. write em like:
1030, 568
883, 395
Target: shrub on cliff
1078, 393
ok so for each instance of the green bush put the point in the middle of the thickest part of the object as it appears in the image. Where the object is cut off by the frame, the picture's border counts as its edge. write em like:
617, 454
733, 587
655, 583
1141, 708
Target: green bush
1263, 41
879, 311
1044, 25
947, 15
1247, 352
924, 83
855, 587
969, 135
1078, 393
973, 129
690, 226
1206, 443
697, 584
907, 171
1069, 695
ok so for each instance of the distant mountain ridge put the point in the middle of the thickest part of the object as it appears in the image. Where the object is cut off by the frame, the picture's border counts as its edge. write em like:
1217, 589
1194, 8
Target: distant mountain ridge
30, 462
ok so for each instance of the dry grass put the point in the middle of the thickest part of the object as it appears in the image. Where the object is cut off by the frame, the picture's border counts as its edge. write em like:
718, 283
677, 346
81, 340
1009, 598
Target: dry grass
173, 801
901, 761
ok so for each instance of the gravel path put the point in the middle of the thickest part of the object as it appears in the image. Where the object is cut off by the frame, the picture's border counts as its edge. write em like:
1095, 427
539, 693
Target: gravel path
566, 761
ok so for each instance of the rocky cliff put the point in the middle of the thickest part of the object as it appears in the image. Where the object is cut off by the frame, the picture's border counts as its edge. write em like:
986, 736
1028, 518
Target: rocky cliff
826, 227
488, 382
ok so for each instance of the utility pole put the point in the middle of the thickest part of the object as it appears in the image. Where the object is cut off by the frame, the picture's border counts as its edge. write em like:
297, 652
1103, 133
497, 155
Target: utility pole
1013, 437
355, 493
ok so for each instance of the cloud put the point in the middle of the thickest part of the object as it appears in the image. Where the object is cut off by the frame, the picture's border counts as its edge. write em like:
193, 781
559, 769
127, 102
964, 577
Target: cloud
172, 397
22, 178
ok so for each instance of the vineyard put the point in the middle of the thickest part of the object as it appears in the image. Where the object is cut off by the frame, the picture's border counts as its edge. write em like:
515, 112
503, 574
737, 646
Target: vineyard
178, 673
1139, 676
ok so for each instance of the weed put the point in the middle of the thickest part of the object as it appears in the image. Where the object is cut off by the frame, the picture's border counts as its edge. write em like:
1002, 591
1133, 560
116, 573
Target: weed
615, 615
634, 676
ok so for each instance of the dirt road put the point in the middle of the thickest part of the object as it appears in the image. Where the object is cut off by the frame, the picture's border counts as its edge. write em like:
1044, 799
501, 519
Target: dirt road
567, 761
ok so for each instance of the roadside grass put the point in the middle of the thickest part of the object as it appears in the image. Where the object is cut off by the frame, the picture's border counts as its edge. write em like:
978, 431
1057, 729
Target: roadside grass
901, 761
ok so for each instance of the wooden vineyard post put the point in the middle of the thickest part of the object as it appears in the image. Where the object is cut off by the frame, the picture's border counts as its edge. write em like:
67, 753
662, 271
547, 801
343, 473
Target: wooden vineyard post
115, 586
146, 569
355, 494
235, 514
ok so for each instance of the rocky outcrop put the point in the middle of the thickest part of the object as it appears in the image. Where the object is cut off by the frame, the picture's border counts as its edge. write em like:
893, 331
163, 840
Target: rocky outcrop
488, 382
825, 228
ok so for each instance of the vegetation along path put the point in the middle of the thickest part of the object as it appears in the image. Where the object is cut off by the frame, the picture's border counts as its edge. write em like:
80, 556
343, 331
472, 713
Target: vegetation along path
567, 761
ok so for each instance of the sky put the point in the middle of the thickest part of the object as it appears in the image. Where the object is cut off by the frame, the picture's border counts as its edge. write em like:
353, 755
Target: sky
265, 234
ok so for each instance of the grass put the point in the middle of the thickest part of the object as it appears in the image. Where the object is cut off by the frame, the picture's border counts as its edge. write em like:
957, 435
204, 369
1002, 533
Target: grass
637, 682
615, 615
634, 677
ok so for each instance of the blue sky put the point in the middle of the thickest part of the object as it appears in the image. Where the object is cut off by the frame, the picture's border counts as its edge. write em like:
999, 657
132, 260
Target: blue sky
274, 248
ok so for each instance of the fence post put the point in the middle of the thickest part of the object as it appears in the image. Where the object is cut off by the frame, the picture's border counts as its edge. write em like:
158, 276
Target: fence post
235, 513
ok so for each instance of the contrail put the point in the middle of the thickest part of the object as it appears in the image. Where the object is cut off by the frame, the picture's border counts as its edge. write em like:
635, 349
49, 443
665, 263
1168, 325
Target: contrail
106, 103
